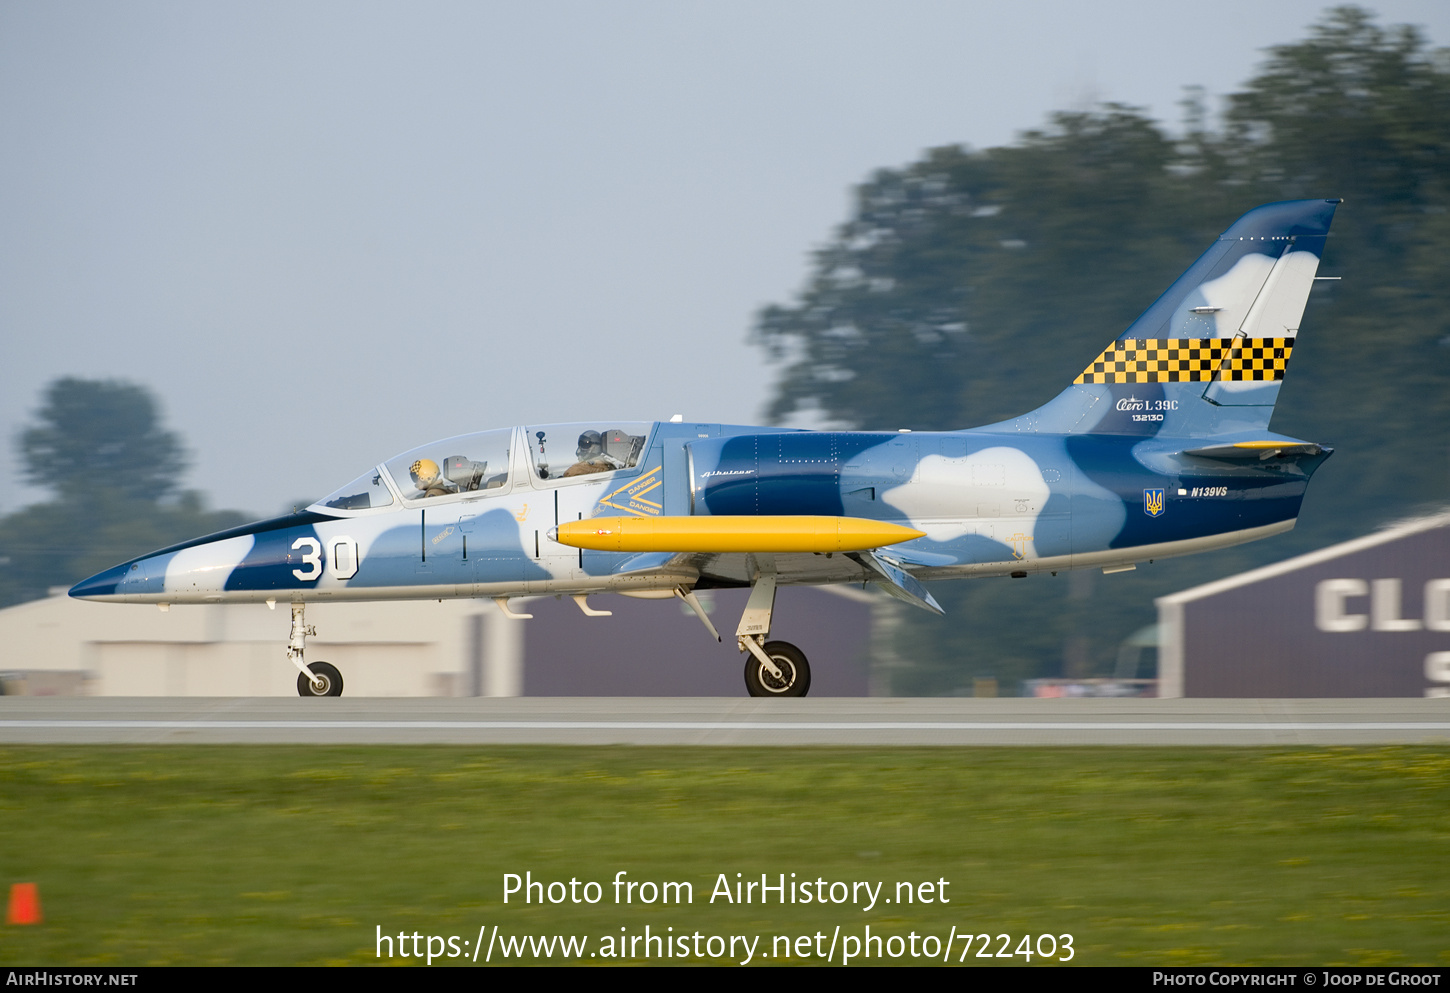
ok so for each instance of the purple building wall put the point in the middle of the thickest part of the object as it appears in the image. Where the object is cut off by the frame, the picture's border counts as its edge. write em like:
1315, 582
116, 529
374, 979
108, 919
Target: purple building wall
1368, 618
660, 648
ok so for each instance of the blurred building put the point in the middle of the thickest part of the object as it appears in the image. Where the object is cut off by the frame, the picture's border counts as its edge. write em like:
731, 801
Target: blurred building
1366, 618
432, 648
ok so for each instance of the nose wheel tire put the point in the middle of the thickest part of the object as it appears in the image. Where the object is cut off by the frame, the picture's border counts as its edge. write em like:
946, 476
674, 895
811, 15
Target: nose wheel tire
795, 672
329, 681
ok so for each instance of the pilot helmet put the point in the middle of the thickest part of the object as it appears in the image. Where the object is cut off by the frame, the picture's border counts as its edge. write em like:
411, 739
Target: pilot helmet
424, 473
590, 443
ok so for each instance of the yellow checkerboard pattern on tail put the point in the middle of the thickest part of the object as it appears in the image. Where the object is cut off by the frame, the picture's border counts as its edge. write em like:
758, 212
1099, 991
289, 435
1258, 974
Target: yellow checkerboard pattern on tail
1190, 360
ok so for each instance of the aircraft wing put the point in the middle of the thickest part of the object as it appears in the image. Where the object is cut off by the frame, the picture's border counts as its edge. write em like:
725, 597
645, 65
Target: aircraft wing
740, 570
733, 569
734, 551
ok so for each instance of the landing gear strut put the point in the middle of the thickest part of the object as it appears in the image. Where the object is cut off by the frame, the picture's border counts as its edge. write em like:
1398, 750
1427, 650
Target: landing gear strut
320, 678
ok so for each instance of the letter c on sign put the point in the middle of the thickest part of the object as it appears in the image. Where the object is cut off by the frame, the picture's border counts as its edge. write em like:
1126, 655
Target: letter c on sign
1329, 597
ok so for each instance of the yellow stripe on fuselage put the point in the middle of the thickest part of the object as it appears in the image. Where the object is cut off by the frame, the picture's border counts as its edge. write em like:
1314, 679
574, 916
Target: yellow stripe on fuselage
732, 534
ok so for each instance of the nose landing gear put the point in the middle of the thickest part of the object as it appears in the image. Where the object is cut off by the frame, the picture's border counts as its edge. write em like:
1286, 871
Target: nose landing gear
319, 678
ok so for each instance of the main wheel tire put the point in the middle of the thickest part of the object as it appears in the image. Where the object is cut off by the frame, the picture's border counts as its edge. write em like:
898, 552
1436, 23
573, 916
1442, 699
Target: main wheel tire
329, 680
795, 671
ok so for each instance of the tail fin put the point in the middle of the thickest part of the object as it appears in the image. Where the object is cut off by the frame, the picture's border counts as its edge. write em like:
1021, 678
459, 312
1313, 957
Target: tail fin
1208, 357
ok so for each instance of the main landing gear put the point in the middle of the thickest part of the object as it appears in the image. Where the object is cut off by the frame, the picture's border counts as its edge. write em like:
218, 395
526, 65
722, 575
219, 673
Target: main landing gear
773, 668
319, 678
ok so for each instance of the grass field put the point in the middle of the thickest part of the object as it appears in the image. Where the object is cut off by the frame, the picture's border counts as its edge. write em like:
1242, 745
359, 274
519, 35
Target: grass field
296, 855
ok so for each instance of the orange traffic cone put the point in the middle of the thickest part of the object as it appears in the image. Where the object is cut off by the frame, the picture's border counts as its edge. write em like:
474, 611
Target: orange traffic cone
24, 904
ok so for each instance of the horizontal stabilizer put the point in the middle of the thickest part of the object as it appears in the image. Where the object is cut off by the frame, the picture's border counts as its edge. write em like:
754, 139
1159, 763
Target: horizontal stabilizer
1258, 450
896, 581
731, 534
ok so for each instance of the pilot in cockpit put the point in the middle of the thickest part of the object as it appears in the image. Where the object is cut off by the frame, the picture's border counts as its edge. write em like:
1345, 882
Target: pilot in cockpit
429, 480
592, 456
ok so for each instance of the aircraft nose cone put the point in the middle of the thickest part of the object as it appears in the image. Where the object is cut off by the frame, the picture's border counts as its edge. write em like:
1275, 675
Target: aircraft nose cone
102, 584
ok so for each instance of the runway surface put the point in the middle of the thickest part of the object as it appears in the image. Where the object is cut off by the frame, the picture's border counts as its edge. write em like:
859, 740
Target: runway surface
714, 721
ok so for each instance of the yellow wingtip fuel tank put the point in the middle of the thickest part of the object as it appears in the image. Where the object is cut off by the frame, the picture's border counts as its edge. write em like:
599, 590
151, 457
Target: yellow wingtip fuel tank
731, 534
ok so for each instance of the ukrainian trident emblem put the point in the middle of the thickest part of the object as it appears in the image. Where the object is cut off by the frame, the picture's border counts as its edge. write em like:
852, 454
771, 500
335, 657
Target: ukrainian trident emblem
1153, 503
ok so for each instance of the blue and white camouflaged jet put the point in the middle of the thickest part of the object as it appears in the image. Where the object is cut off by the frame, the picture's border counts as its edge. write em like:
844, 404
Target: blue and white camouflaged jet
1160, 447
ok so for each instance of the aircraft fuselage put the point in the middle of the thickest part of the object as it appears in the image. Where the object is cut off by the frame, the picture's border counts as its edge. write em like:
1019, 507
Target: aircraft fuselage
989, 503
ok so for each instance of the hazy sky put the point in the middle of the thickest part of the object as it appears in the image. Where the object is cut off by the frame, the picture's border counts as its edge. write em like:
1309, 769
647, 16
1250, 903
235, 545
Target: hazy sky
326, 232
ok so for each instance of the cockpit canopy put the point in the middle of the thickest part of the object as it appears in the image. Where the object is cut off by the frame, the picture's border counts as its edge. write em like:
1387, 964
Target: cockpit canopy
456, 465
484, 461
564, 451
366, 492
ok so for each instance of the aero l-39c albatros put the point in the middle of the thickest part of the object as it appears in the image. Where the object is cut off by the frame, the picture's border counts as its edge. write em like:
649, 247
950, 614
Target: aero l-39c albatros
1160, 447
